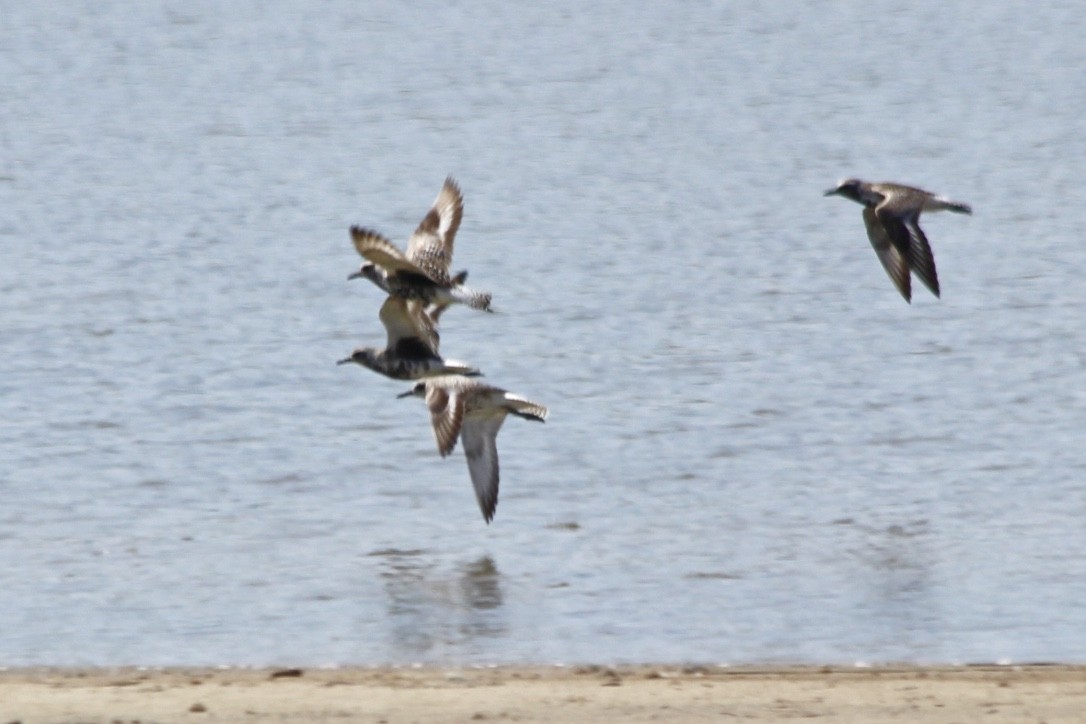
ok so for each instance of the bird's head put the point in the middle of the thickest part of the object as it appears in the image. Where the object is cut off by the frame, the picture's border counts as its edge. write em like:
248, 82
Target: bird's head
364, 356
368, 271
849, 188
419, 390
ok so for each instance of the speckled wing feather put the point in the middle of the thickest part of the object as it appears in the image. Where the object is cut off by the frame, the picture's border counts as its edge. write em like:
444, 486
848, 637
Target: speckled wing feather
382, 252
446, 416
893, 258
431, 246
449, 205
479, 437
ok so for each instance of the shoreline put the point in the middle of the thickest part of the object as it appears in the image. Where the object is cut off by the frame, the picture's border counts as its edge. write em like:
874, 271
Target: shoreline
893, 693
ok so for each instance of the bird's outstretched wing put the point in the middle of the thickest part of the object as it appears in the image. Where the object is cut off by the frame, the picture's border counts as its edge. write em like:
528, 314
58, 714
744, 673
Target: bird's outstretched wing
894, 257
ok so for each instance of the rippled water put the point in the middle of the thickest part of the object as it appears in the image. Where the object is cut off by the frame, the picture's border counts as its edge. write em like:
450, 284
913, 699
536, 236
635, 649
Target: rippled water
756, 452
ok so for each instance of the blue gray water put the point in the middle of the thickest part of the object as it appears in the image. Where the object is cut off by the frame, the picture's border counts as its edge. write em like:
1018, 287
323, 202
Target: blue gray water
756, 452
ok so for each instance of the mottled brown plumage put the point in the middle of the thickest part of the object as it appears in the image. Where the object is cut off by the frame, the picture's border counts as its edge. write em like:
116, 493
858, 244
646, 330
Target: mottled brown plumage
422, 272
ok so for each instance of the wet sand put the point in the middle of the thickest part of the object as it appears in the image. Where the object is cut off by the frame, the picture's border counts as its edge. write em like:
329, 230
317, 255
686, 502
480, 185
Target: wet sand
1040, 693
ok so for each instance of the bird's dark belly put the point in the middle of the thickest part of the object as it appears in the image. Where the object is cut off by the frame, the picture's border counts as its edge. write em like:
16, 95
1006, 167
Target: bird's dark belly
408, 285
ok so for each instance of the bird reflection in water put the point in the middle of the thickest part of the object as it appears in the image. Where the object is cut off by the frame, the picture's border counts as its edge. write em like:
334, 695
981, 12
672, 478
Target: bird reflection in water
894, 583
435, 613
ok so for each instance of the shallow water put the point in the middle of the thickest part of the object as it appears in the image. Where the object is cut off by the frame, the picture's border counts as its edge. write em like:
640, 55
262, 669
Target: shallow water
756, 451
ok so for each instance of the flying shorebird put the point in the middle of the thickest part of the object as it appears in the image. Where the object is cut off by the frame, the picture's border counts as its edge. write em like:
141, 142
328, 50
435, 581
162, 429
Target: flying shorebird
375, 274
423, 271
411, 351
473, 411
892, 216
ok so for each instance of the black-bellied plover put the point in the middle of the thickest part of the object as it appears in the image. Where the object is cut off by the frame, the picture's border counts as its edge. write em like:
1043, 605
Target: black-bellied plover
375, 274
423, 271
412, 349
473, 411
892, 216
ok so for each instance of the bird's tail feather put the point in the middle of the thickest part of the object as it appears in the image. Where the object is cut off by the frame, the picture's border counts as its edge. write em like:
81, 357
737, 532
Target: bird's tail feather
472, 298
453, 367
956, 206
526, 408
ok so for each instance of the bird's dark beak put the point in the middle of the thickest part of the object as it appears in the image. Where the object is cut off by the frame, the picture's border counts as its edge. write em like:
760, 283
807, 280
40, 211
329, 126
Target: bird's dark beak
356, 275
830, 192
345, 360
405, 394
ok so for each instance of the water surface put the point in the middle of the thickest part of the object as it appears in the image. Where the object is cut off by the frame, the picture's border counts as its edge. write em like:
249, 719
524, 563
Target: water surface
756, 451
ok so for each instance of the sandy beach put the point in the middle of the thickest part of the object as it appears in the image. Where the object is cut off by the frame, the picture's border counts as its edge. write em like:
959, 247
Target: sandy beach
1040, 693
